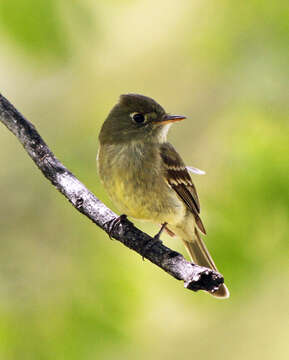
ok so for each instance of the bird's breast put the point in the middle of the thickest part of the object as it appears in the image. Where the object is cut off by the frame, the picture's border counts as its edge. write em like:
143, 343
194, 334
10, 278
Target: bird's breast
133, 176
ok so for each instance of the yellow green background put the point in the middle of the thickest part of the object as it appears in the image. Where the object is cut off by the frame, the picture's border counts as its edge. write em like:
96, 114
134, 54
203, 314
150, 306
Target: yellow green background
66, 290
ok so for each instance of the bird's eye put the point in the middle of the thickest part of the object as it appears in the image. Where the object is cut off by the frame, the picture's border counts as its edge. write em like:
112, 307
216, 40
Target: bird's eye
138, 118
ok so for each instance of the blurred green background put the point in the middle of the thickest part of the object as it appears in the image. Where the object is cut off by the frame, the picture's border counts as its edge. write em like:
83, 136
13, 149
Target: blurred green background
66, 290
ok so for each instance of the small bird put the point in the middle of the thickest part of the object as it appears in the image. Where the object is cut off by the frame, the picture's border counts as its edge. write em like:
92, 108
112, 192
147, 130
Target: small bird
146, 177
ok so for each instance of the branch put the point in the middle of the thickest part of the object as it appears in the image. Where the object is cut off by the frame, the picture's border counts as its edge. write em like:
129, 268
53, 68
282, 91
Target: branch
195, 277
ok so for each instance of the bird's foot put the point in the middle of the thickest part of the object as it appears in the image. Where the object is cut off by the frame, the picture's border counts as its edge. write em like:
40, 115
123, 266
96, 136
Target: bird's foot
112, 224
163, 227
170, 232
153, 241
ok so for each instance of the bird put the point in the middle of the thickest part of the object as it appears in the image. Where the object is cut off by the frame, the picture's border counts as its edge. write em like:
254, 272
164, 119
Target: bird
145, 176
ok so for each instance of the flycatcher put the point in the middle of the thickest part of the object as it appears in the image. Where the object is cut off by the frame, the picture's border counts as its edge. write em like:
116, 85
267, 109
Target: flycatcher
146, 177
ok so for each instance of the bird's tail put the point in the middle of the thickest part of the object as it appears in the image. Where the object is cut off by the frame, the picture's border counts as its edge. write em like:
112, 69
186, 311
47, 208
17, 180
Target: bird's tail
201, 256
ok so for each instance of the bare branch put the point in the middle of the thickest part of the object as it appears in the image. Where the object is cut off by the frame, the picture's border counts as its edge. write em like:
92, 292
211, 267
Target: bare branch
195, 277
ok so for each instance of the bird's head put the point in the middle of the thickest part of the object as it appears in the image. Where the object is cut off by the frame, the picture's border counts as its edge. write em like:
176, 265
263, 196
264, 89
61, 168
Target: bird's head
136, 117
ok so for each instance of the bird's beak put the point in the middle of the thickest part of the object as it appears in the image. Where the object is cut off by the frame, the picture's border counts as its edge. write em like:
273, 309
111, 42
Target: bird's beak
167, 119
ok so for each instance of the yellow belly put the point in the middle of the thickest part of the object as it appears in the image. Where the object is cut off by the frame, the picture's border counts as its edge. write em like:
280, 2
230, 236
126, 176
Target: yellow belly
156, 202
139, 191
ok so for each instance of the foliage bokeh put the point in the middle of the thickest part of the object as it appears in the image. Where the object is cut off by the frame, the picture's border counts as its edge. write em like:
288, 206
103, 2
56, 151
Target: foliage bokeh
67, 291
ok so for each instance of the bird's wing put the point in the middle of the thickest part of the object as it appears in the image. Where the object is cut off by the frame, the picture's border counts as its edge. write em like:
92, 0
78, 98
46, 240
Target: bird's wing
195, 170
180, 181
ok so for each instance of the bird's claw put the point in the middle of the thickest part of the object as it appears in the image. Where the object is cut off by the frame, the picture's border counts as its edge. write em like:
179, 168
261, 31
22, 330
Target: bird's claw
153, 241
150, 244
